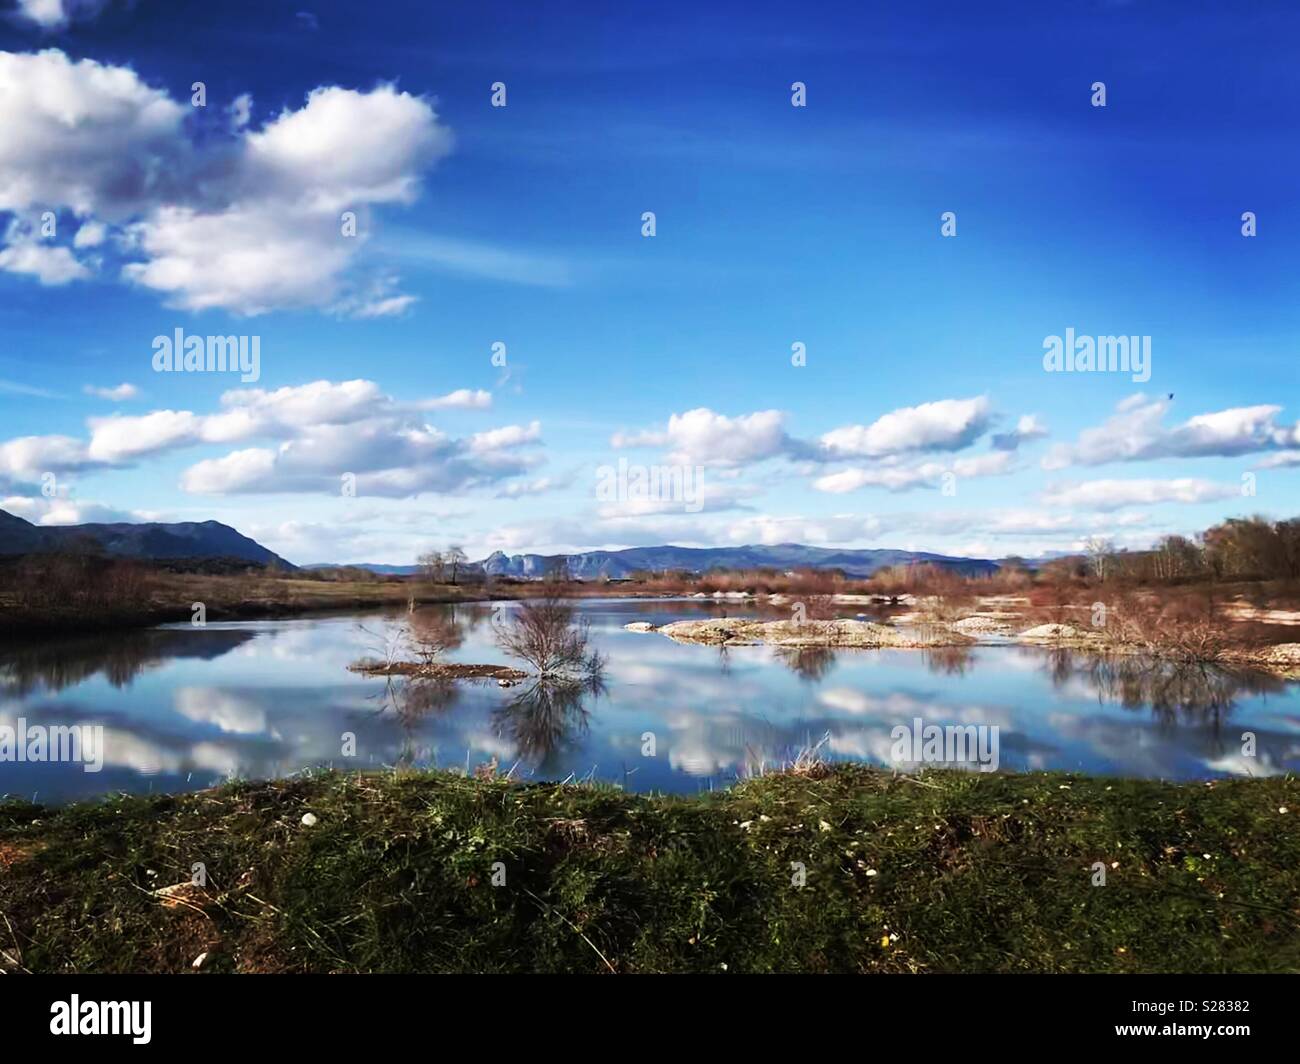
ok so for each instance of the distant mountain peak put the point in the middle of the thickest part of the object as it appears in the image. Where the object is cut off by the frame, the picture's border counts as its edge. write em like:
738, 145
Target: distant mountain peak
147, 540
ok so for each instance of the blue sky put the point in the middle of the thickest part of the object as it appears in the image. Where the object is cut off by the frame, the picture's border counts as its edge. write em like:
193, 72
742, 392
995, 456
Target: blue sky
775, 225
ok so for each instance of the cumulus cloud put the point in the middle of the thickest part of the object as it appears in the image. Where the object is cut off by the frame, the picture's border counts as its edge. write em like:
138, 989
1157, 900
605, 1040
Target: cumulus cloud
393, 455
28, 458
1109, 495
245, 413
702, 437
1135, 432
320, 432
944, 425
251, 223
86, 136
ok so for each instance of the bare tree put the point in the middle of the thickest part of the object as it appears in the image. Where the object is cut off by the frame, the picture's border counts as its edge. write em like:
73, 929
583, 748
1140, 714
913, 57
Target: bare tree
433, 565
455, 557
1101, 556
547, 634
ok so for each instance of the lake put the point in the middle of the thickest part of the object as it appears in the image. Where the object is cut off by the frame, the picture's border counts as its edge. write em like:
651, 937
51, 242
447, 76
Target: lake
185, 708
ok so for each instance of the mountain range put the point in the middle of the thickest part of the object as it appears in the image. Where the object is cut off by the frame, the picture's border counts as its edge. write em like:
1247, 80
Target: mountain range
211, 539
149, 540
619, 564
592, 565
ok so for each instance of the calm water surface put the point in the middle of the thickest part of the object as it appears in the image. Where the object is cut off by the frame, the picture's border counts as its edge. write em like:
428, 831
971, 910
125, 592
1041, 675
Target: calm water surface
185, 708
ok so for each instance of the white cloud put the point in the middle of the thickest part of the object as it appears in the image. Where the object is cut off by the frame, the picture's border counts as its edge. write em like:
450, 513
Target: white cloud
48, 263
1281, 460
248, 259
63, 511
460, 399
246, 413
27, 458
1109, 495
385, 307
506, 436
118, 394
251, 224
90, 235
539, 486
56, 14
237, 471
83, 135
944, 425
702, 437
1135, 432
391, 456
345, 148
899, 477
324, 430
117, 438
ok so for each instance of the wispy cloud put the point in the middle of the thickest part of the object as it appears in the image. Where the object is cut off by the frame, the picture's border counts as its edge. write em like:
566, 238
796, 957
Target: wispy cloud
476, 259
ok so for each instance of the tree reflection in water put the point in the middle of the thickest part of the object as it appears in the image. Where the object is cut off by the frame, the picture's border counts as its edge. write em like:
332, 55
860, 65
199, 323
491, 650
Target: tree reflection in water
547, 717
810, 664
1194, 693
120, 657
948, 661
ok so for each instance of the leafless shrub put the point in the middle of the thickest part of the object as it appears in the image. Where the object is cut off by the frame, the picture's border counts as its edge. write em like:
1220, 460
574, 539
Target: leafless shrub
548, 635
1178, 631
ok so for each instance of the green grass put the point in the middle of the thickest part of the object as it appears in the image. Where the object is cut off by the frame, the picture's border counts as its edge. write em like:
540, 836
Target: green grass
944, 872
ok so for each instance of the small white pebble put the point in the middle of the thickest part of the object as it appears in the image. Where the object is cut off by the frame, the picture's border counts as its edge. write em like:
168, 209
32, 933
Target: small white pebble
823, 825
309, 820
872, 872
1281, 809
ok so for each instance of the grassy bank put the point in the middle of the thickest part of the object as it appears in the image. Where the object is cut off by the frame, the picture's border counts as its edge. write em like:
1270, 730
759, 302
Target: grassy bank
946, 872
170, 597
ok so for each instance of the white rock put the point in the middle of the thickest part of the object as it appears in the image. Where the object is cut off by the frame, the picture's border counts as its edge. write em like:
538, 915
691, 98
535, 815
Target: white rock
309, 820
